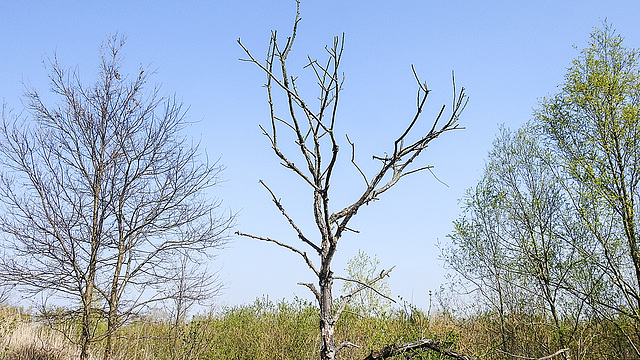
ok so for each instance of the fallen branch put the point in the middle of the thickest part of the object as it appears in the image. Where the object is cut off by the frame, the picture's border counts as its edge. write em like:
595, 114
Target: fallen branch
561, 351
554, 354
392, 350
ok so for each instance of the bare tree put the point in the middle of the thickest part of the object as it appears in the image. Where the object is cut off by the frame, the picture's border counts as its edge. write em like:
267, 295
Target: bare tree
5, 292
100, 192
316, 143
190, 285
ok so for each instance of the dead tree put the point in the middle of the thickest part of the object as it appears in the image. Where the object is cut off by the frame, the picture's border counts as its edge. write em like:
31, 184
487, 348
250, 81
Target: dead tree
316, 142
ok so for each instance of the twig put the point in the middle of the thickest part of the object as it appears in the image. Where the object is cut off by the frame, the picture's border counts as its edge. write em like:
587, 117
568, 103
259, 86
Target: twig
353, 160
345, 344
363, 285
368, 284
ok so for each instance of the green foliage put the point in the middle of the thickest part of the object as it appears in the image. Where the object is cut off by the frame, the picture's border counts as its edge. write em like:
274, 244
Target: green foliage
593, 125
367, 302
593, 122
276, 330
508, 244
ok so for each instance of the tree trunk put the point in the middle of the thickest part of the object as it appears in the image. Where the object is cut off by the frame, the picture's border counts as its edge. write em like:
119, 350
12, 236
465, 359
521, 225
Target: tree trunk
112, 325
86, 336
327, 324
112, 317
85, 333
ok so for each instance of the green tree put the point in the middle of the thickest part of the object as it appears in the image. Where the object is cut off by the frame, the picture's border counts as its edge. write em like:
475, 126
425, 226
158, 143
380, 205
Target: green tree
593, 127
509, 241
373, 300
555, 215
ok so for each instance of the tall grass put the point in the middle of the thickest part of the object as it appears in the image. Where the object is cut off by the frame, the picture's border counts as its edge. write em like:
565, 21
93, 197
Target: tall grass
22, 338
276, 330
289, 330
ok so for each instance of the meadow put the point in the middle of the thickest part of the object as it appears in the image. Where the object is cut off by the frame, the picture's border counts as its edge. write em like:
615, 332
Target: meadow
288, 330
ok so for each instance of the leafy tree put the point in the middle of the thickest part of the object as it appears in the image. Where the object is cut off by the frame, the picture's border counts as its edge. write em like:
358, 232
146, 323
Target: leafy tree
99, 193
593, 127
509, 242
372, 301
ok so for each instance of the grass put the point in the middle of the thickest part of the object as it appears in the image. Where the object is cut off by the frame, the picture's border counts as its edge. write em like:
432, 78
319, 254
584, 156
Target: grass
288, 330
22, 338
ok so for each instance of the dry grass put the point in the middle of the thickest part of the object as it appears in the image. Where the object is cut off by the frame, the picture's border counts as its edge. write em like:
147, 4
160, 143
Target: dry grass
32, 341
23, 339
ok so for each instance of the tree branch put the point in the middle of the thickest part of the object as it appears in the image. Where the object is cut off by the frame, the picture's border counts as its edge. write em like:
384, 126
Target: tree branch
291, 222
396, 162
346, 344
559, 352
353, 160
313, 289
299, 252
428, 344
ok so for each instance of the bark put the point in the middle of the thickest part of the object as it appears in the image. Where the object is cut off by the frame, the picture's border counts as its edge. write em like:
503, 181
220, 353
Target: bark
85, 333
328, 347
112, 319
96, 233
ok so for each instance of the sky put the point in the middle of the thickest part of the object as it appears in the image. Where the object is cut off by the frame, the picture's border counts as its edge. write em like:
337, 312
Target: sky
508, 55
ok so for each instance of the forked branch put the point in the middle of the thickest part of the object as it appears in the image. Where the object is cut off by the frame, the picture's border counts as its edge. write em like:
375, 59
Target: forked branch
403, 155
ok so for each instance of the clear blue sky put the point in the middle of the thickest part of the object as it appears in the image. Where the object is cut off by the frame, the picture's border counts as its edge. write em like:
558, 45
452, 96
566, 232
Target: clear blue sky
507, 54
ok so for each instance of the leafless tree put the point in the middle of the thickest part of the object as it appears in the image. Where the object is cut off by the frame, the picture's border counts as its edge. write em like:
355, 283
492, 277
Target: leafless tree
317, 144
5, 292
190, 285
100, 193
